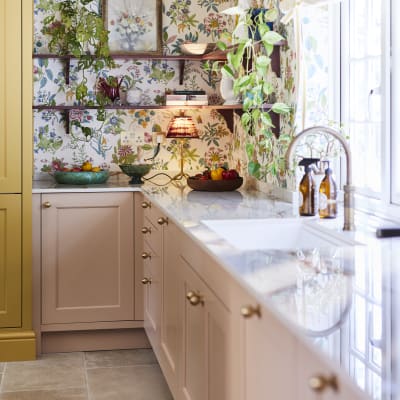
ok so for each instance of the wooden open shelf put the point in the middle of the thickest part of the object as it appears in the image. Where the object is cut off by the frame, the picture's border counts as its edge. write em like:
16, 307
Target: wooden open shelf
226, 111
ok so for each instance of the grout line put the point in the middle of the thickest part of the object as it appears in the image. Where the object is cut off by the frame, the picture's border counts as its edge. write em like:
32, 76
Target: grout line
46, 389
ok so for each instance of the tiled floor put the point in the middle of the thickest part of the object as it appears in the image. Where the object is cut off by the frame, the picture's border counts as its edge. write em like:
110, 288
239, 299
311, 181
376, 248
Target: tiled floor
98, 375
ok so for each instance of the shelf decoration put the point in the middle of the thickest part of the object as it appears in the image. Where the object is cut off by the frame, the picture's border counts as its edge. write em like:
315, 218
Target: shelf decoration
134, 26
75, 29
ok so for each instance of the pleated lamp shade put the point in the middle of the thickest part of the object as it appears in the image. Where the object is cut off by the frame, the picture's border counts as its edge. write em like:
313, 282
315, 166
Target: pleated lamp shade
182, 126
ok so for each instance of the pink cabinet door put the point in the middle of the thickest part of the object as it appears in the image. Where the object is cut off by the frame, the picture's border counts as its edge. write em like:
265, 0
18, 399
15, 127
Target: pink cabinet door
87, 257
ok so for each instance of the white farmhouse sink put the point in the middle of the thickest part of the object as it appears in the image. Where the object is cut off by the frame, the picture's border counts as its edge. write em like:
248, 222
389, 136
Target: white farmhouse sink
277, 234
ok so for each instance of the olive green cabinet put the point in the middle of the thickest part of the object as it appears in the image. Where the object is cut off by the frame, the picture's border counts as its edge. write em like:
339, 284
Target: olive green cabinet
10, 260
17, 339
10, 98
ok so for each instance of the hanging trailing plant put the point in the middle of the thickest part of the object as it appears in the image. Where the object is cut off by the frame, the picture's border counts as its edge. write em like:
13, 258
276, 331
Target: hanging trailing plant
248, 65
74, 28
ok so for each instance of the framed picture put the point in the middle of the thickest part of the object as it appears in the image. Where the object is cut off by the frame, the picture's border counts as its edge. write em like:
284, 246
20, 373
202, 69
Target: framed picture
134, 26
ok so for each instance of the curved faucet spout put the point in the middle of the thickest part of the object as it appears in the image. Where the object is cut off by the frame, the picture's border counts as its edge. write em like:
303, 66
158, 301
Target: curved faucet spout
348, 188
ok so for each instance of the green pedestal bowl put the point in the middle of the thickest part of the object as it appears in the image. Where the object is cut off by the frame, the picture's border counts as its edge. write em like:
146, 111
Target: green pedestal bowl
135, 172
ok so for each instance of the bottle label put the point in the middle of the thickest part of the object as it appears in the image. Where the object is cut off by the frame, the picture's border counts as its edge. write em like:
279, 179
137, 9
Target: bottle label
301, 199
323, 201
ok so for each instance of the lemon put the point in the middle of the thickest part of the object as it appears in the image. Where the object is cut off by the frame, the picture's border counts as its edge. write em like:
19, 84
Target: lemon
96, 169
86, 166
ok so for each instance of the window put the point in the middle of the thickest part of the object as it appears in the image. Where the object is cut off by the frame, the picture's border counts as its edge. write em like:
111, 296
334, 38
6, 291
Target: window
395, 108
369, 112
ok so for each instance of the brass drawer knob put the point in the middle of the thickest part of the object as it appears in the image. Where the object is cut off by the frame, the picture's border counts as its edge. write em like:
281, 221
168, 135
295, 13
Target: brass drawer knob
146, 255
250, 311
146, 229
46, 204
320, 383
162, 221
146, 281
146, 204
195, 298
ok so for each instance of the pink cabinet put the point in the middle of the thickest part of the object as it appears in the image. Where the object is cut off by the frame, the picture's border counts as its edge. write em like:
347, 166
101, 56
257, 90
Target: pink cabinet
87, 268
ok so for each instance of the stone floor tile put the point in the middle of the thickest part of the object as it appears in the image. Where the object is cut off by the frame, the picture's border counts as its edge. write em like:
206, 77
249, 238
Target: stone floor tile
39, 376
139, 382
66, 360
119, 358
65, 394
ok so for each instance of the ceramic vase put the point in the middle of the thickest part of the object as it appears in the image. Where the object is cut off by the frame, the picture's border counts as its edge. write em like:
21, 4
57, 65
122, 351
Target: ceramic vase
226, 91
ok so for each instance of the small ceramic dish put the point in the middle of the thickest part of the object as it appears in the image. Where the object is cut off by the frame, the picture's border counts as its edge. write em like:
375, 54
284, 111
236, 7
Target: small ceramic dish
197, 49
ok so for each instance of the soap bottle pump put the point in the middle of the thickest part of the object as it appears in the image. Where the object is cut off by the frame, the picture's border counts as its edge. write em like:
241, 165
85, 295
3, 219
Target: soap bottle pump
308, 194
328, 195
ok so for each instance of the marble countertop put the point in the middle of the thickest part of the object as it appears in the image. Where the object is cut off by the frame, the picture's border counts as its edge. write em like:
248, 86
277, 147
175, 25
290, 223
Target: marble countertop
343, 299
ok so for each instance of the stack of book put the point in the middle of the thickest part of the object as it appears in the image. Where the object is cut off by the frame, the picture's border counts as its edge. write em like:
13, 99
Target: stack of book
186, 98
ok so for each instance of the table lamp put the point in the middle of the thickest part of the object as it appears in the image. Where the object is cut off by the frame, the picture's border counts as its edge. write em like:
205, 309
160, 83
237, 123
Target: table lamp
181, 127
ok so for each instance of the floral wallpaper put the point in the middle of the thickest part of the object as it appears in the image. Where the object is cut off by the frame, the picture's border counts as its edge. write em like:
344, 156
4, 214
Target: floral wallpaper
125, 132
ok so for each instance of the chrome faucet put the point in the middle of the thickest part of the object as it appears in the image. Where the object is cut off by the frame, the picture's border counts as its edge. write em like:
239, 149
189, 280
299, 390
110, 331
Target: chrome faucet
348, 187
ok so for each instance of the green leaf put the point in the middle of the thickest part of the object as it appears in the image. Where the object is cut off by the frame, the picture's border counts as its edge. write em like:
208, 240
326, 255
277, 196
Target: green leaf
267, 88
271, 37
263, 62
266, 119
271, 15
227, 71
281, 108
221, 45
249, 150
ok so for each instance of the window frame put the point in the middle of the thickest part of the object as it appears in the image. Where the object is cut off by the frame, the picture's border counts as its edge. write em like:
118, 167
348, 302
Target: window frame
387, 206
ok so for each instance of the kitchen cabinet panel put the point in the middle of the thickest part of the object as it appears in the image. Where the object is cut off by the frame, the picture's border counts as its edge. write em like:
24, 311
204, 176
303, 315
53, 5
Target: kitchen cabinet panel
266, 352
318, 381
10, 261
10, 98
206, 340
152, 281
87, 257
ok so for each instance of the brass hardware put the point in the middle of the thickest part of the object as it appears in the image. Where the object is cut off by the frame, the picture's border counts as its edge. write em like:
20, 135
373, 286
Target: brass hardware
320, 383
195, 298
146, 229
146, 281
189, 295
250, 311
162, 221
146, 255
146, 204
46, 204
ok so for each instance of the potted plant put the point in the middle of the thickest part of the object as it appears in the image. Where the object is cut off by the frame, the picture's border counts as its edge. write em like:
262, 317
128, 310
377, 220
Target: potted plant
75, 29
248, 64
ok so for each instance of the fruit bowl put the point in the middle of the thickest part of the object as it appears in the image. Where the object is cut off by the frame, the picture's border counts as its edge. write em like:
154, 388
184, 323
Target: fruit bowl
80, 177
208, 185
135, 172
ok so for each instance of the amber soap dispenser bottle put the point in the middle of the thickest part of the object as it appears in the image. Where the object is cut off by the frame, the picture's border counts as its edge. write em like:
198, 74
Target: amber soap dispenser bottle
328, 196
308, 194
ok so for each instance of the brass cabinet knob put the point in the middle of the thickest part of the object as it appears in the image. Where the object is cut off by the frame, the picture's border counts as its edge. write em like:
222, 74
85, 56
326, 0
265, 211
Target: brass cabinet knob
162, 221
195, 298
146, 255
146, 281
250, 311
320, 383
46, 204
189, 295
146, 229
146, 204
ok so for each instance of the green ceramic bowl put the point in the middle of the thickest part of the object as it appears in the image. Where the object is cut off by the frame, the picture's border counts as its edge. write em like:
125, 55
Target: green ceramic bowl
135, 172
81, 177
